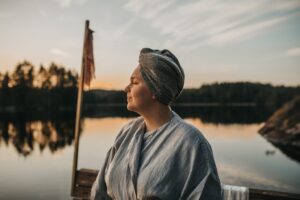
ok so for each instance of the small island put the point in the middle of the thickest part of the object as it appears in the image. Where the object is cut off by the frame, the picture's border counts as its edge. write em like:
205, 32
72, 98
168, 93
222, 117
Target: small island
282, 129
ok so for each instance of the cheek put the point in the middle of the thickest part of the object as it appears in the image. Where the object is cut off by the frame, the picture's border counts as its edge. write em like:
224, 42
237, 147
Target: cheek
142, 94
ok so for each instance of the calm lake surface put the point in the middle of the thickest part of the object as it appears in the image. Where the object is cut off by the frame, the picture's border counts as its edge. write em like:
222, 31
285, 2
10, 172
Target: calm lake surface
36, 156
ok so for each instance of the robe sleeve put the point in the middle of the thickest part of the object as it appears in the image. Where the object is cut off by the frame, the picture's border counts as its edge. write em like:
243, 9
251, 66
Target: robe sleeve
99, 189
202, 181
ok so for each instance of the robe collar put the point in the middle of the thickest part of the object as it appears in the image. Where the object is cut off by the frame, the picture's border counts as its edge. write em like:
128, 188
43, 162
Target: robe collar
134, 155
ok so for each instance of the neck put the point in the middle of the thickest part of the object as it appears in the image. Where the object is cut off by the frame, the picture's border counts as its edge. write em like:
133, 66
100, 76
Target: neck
157, 116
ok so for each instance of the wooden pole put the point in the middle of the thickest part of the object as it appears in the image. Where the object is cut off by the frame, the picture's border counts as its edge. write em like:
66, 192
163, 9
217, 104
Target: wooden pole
78, 110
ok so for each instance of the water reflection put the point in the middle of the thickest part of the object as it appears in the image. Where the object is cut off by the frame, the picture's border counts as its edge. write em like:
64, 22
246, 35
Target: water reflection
24, 134
211, 114
238, 149
242, 156
291, 151
56, 131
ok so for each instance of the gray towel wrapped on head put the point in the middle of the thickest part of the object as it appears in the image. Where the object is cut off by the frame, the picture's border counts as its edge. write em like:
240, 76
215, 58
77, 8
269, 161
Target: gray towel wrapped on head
162, 73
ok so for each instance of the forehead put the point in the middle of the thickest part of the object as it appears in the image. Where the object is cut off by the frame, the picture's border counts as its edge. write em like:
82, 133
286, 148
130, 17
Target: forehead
136, 73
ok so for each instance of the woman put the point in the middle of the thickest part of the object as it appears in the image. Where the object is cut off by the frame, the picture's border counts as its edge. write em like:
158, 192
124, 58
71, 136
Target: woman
157, 155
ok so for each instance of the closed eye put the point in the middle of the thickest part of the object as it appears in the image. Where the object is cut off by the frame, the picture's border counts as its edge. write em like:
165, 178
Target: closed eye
133, 80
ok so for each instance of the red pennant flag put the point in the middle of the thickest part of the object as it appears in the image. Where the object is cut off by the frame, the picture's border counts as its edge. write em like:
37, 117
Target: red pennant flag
89, 65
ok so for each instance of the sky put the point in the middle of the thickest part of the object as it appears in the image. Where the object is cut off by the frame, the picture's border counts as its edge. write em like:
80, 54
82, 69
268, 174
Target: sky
214, 40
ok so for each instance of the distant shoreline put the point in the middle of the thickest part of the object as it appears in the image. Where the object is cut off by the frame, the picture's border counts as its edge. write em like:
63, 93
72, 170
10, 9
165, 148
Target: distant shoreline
13, 109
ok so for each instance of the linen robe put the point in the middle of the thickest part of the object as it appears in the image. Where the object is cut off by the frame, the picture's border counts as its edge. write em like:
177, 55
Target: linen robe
172, 162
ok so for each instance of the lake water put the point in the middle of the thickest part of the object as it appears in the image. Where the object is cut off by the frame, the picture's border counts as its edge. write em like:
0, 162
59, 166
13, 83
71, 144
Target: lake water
36, 156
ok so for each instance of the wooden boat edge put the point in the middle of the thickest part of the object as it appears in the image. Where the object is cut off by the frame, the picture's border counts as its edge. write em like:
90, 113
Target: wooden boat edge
86, 177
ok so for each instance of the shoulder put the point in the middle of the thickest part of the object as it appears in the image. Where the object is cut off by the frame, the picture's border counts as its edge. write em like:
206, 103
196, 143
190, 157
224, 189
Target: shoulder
128, 129
190, 139
188, 132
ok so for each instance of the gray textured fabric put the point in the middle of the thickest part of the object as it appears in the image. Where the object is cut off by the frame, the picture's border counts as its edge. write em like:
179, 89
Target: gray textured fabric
162, 73
173, 162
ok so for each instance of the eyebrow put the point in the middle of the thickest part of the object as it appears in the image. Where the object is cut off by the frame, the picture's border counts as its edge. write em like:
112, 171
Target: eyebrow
133, 77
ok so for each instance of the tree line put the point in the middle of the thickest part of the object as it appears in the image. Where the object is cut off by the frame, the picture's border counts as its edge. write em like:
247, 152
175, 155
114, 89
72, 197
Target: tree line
216, 94
240, 93
54, 88
51, 87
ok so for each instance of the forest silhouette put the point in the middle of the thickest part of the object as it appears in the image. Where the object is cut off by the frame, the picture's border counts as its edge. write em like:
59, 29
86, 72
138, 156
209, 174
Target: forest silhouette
38, 106
54, 89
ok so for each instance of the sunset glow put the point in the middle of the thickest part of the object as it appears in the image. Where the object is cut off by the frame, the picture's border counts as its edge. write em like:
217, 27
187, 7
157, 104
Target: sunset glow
215, 41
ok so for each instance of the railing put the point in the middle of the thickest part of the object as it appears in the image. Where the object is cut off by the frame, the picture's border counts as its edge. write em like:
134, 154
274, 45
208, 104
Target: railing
85, 178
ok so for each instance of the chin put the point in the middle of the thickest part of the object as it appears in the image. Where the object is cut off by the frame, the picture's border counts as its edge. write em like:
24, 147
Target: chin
129, 107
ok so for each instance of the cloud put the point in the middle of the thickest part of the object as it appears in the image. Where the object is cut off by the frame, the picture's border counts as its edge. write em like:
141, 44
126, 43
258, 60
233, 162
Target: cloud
212, 22
64, 3
5, 15
42, 12
149, 8
114, 33
121, 31
292, 52
69, 3
59, 52
243, 32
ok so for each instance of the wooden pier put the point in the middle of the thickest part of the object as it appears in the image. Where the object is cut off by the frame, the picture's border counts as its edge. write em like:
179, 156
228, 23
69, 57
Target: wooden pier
86, 177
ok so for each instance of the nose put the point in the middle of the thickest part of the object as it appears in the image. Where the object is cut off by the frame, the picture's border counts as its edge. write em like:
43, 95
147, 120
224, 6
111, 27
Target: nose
127, 88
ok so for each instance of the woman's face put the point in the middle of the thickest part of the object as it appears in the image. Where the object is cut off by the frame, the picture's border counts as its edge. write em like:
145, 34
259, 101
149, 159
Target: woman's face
139, 96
